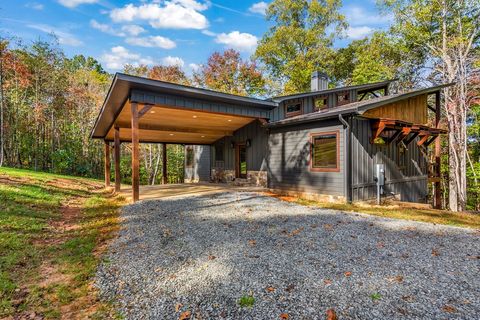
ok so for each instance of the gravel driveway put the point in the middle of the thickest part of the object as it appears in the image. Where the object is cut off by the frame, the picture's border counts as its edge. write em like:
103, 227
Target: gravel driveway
201, 255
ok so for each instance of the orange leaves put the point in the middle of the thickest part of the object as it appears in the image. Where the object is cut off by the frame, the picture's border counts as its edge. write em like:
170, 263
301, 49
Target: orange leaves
284, 316
211, 257
331, 314
435, 252
449, 309
347, 274
178, 306
270, 289
252, 243
328, 227
185, 315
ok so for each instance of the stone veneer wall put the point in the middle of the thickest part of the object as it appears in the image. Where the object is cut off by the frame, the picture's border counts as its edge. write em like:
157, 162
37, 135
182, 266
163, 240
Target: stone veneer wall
256, 178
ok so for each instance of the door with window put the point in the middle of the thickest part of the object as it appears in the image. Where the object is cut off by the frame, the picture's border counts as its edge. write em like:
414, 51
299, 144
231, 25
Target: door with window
241, 161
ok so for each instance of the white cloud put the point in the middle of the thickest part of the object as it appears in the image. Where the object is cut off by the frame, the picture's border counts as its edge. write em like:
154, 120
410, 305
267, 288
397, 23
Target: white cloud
237, 40
209, 33
194, 67
259, 7
357, 33
64, 37
358, 16
175, 14
34, 5
105, 28
74, 3
119, 56
152, 41
133, 29
173, 61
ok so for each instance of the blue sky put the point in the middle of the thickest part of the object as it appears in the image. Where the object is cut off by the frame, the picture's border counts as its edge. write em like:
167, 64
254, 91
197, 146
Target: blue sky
181, 32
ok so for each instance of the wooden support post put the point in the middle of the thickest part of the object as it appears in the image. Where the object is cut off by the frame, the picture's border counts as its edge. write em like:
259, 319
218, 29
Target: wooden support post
117, 158
437, 202
135, 153
164, 168
107, 164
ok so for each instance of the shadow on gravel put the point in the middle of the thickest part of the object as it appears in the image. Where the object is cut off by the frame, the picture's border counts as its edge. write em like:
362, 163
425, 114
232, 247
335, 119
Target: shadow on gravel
202, 254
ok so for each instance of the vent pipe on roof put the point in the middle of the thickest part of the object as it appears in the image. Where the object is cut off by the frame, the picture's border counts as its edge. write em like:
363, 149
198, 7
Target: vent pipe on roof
319, 81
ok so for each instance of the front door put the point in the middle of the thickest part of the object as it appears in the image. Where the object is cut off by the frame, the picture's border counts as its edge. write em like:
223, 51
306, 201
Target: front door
241, 161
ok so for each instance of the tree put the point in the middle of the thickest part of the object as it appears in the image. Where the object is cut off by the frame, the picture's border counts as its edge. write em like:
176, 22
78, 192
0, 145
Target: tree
227, 72
172, 74
446, 33
300, 40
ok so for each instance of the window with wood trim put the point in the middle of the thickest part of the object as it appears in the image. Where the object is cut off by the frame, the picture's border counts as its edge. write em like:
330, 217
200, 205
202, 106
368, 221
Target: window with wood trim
320, 103
343, 98
293, 109
189, 157
325, 151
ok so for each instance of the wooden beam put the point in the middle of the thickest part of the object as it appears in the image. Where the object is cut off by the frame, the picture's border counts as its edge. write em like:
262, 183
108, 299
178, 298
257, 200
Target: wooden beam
429, 142
155, 127
135, 154
164, 167
437, 202
394, 136
378, 128
117, 158
414, 135
423, 138
144, 110
107, 164
405, 132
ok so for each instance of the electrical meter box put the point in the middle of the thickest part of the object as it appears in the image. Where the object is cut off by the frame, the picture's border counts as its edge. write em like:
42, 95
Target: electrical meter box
380, 174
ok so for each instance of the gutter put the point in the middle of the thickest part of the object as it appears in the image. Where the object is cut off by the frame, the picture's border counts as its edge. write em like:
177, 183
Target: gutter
348, 151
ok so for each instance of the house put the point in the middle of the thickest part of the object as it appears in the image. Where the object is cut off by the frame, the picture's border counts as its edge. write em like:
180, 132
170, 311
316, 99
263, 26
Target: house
322, 144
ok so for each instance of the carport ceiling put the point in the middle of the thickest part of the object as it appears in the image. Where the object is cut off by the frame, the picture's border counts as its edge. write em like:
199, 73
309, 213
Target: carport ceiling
171, 125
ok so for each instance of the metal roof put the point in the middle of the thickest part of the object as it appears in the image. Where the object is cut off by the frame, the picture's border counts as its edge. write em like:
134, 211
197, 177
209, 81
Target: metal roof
122, 85
367, 86
358, 107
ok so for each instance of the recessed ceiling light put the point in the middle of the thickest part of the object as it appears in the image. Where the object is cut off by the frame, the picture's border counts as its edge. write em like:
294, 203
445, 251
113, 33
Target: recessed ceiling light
171, 134
194, 116
229, 120
203, 136
152, 111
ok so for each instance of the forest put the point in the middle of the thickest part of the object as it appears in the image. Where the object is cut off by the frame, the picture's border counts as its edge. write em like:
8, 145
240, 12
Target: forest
49, 101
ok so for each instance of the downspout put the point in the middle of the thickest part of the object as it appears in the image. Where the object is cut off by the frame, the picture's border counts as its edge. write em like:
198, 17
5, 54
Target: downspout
348, 152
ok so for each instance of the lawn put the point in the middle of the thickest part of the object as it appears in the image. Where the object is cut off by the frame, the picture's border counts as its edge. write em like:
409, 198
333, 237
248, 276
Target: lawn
398, 211
53, 230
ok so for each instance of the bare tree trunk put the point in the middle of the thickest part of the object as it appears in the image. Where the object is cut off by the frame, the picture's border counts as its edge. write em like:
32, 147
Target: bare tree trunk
2, 127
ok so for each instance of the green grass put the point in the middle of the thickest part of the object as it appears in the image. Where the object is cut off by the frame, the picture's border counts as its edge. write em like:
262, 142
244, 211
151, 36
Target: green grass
31, 205
459, 219
246, 301
375, 296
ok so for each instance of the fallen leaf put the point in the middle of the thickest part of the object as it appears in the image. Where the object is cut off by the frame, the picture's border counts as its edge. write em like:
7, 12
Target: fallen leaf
435, 252
399, 279
290, 287
328, 226
211, 257
380, 245
331, 314
270, 289
178, 306
284, 316
449, 309
327, 282
347, 274
296, 231
252, 243
185, 315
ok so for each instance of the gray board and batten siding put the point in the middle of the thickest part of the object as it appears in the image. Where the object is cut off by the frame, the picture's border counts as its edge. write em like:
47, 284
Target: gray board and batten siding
256, 153
406, 175
200, 171
288, 160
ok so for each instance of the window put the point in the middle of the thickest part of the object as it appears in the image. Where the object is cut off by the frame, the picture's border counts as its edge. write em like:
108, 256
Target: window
293, 109
189, 157
219, 152
343, 98
321, 103
325, 151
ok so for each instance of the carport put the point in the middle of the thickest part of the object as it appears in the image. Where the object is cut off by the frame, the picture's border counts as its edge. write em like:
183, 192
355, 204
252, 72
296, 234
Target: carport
140, 110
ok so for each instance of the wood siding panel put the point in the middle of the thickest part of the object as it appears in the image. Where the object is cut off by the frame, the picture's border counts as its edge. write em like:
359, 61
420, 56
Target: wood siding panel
289, 160
409, 183
411, 110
